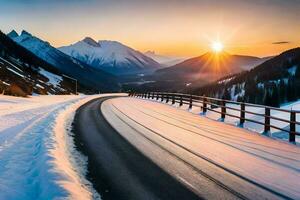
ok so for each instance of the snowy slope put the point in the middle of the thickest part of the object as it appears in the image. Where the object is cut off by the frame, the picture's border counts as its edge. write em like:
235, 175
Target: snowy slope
85, 74
23, 73
243, 161
42, 82
40, 48
110, 56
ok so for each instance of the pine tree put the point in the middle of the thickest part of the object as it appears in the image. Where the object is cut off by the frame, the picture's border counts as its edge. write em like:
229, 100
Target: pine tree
291, 90
268, 97
297, 74
250, 90
275, 97
282, 91
2, 53
226, 94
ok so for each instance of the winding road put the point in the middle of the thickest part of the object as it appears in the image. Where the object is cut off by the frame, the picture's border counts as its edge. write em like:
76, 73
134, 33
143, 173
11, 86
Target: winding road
139, 149
116, 168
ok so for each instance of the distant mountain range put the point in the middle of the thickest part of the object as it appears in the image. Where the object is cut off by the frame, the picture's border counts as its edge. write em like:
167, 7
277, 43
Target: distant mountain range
199, 71
165, 61
111, 56
87, 76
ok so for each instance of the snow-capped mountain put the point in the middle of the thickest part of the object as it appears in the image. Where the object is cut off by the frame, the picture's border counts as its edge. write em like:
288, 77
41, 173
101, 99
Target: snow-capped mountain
165, 61
111, 56
85, 74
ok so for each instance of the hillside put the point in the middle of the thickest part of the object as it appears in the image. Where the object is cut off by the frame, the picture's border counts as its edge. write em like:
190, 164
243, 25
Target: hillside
22, 73
273, 82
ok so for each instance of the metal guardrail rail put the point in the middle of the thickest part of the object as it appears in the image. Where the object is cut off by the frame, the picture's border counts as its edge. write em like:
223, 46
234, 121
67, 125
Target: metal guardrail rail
204, 102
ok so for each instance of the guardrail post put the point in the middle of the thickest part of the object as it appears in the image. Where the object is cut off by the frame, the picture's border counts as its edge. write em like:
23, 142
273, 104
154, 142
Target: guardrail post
167, 98
149, 95
181, 101
223, 109
204, 107
152, 95
162, 97
242, 116
292, 136
267, 120
173, 99
157, 96
191, 102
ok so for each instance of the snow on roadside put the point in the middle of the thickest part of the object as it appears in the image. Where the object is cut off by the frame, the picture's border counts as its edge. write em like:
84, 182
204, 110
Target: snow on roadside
38, 159
30, 150
67, 160
26, 136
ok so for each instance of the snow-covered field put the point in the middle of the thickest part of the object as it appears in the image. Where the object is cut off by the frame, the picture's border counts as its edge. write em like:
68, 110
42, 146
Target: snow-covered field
36, 149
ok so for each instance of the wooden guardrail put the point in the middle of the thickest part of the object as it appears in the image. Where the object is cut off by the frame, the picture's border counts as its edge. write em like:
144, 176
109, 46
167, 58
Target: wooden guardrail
204, 103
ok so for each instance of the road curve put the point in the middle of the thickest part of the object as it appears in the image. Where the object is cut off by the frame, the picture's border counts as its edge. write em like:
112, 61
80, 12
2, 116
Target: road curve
116, 168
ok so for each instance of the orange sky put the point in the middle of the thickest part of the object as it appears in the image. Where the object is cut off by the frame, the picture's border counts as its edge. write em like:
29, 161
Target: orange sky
173, 27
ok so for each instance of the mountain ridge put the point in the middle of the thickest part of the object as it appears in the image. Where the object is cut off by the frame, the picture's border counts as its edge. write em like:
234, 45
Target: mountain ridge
214, 64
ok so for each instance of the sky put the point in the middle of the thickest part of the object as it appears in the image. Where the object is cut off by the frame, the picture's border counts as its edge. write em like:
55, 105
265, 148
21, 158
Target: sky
170, 27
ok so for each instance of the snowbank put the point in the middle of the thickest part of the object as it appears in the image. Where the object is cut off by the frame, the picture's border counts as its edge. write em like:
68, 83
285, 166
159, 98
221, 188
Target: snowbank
37, 155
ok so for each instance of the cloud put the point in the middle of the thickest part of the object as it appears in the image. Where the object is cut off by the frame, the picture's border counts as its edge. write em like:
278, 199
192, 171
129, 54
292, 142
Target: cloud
281, 42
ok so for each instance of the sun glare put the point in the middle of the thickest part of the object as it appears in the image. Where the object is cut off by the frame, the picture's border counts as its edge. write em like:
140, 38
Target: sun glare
217, 47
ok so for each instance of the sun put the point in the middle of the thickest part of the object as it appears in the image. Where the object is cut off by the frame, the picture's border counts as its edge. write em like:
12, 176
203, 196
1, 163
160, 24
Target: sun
217, 47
